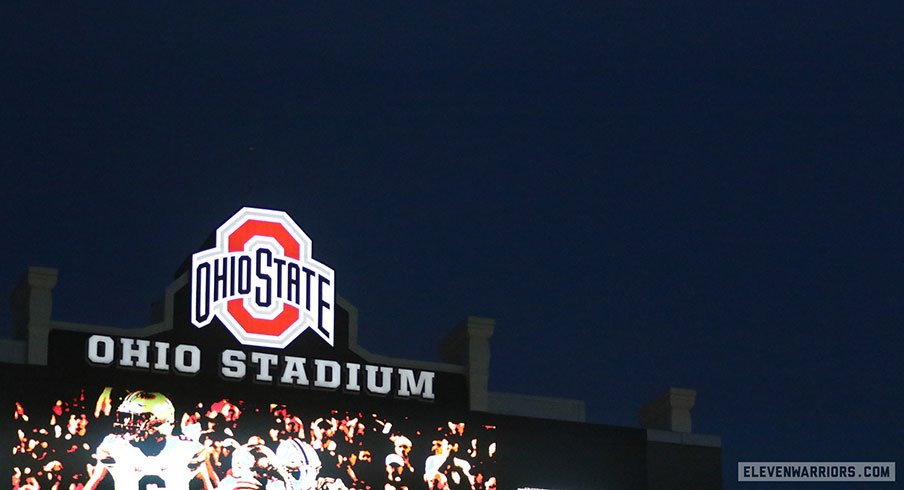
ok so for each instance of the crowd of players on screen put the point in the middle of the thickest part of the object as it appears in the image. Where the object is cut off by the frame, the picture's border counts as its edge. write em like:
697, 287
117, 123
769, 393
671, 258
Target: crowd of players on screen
136, 441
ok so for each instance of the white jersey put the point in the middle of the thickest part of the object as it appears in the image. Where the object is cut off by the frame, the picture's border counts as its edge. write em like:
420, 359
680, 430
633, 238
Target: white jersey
322, 484
172, 469
230, 482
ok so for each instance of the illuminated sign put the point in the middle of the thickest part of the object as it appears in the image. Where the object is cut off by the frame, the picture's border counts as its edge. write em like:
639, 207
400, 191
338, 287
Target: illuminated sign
261, 281
262, 367
179, 406
141, 438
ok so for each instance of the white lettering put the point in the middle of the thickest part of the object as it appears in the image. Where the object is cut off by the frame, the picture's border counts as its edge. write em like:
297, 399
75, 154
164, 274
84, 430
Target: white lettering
160, 363
264, 363
95, 342
294, 372
134, 353
422, 388
352, 383
232, 364
322, 381
192, 365
328, 374
372, 386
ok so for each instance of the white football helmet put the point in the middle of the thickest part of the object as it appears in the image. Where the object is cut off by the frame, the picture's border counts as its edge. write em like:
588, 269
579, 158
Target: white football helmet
258, 462
301, 461
143, 414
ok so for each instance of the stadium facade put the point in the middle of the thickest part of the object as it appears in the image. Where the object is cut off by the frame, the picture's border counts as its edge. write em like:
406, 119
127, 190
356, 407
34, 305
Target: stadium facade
251, 376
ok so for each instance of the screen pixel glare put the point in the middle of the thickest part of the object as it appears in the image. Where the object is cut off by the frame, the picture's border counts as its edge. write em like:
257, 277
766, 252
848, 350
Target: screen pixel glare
129, 439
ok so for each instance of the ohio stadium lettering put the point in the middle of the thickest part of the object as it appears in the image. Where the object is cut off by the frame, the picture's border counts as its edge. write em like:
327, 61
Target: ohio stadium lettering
326, 374
144, 354
263, 367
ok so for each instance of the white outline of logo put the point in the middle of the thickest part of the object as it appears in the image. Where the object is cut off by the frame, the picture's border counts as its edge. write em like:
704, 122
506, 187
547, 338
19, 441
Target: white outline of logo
306, 319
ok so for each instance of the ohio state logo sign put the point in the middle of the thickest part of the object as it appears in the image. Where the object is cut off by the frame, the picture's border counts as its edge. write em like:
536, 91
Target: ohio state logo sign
261, 281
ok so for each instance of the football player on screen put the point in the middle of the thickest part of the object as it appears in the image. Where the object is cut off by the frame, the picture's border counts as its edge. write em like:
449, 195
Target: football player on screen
255, 467
445, 470
294, 466
142, 453
303, 464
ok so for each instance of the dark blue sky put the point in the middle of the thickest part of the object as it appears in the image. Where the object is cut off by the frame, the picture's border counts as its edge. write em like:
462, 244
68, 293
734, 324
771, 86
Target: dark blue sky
642, 194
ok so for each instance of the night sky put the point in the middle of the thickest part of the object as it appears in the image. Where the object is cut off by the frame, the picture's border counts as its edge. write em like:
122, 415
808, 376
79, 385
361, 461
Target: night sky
642, 194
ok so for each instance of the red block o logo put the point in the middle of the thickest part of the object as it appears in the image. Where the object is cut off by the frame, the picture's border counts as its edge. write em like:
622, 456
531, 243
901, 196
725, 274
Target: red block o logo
261, 281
